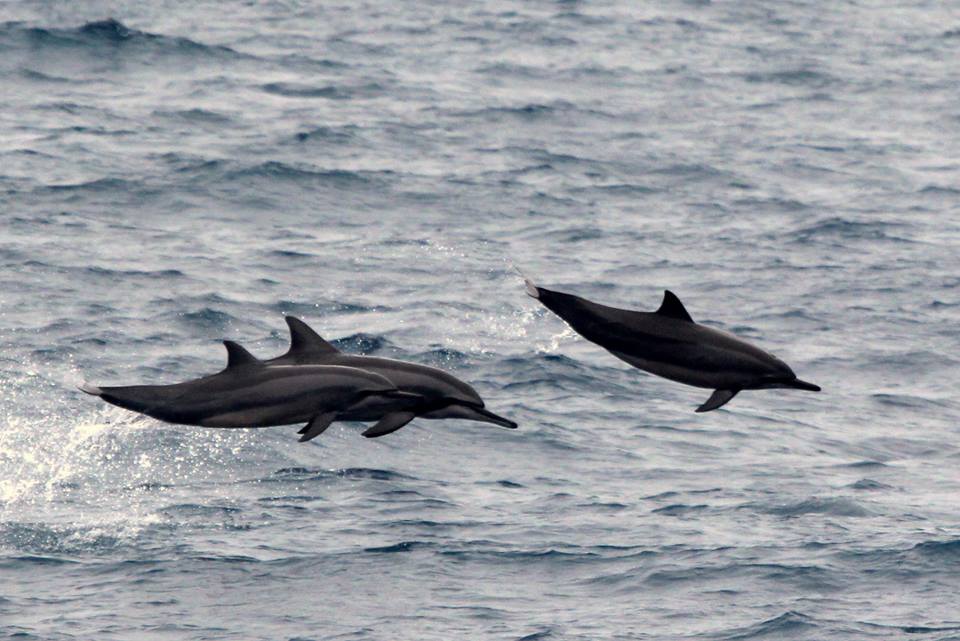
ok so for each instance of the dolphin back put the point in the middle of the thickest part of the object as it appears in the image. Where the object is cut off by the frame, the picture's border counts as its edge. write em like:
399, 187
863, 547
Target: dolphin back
307, 347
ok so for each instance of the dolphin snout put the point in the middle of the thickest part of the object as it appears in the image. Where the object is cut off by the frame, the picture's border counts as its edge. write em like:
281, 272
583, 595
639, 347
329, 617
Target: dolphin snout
486, 416
798, 384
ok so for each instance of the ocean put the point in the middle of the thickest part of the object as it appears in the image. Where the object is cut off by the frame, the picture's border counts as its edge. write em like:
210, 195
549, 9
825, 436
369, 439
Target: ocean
176, 174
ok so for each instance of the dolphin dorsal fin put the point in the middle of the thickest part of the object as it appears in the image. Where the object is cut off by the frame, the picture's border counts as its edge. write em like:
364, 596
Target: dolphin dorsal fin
238, 355
304, 341
673, 308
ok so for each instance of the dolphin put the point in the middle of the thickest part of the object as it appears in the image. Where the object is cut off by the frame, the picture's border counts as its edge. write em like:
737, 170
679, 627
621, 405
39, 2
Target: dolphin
434, 394
247, 393
670, 344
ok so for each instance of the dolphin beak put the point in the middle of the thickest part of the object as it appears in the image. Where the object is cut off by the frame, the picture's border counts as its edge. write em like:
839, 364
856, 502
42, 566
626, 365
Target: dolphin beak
798, 384
470, 412
486, 416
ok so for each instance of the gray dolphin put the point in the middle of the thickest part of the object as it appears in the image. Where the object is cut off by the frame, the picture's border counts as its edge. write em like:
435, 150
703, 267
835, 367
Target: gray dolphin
435, 394
249, 394
670, 344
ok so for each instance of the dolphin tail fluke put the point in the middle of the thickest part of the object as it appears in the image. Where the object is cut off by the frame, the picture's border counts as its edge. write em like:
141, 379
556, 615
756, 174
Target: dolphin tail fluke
389, 423
88, 388
718, 399
532, 290
798, 384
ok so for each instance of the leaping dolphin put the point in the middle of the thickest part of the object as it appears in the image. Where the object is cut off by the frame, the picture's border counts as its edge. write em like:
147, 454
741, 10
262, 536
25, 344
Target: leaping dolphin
247, 393
670, 344
435, 394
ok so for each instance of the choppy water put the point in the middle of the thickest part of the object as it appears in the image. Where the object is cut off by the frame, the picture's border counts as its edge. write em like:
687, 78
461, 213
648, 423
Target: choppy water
172, 175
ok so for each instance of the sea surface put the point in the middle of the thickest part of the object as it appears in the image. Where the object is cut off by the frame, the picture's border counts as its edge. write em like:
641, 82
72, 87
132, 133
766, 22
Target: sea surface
175, 174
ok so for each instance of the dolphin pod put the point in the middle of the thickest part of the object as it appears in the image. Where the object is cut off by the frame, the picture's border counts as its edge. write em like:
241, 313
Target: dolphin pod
317, 384
670, 344
313, 382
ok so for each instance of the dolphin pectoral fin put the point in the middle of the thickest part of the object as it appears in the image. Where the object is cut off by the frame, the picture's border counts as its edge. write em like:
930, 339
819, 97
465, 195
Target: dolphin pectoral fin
317, 426
389, 423
719, 398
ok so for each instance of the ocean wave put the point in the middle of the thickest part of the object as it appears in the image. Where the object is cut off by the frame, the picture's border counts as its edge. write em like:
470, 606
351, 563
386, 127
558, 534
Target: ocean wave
196, 116
935, 556
443, 357
362, 343
942, 549
93, 37
869, 484
320, 308
908, 401
787, 625
475, 551
680, 509
281, 171
337, 135
833, 506
206, 318
196, 509
39, 76
330, 92
792, 77
160, 274
309, 474
24, 562
403, 546
807, 577
560, 372
532, 112
58, 544
101, 185
836, 228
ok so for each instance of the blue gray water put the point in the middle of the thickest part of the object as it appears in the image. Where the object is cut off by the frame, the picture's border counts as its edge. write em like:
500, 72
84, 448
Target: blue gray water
174, 174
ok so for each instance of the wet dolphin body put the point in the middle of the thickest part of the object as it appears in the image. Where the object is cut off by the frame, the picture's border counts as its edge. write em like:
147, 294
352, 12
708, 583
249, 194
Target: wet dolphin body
439, 394
249, 394
670, 344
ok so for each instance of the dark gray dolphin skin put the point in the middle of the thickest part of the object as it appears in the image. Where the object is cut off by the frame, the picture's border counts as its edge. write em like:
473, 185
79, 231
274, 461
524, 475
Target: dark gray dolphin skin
437, 393
249, 394
670, 344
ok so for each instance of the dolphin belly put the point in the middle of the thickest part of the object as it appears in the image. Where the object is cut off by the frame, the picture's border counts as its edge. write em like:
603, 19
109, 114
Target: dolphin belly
249, 409
689, 374
249, 394
257, 417
374, 408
